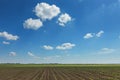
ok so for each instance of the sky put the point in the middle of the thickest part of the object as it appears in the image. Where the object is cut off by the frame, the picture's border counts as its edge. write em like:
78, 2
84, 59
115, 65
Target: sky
60, 31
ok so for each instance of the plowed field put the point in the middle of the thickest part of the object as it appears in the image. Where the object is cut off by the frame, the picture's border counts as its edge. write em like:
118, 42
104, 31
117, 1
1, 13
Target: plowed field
60, 73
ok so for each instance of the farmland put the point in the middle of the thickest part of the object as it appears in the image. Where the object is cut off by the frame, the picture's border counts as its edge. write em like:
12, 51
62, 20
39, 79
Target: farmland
59, 72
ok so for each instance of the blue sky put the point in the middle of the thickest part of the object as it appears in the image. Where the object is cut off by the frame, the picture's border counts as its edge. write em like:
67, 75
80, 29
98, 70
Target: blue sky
52, 31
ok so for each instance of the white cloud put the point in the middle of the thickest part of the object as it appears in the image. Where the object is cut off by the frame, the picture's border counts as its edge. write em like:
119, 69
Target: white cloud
63, 19
106, 51
88, 35
5, 42
32, 24
46, 11
91, 35
99, 34
32, 55
47, 47
65, 46
12, 54
8, 36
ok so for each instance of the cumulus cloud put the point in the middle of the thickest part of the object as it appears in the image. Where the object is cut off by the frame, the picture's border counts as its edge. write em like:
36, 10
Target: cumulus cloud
88, 35
99, 34
63, 19
8, 36
32, 24
65, 46
47, 47
46, 11
106, 51
91, 35
12, 54
5, 42
32, 55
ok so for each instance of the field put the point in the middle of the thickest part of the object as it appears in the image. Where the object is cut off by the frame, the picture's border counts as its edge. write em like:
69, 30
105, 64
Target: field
59, 72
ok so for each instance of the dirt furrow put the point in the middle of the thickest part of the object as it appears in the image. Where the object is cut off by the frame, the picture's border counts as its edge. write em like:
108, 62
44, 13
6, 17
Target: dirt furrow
37, 75
102, 75
15, 75
46, 77
53, 74
43, 74
6, 74
73, 76
59, 75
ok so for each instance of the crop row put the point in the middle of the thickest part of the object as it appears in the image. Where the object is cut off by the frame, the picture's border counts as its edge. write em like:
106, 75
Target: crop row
59, 73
